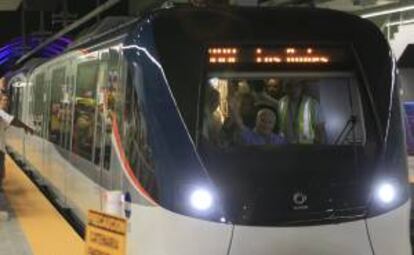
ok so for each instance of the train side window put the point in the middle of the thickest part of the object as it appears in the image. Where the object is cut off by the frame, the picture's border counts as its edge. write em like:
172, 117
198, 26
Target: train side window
84, 115
20, 102
14, 97
107, 95
38, 104
56, 105
16, 101
121, 95
136, 133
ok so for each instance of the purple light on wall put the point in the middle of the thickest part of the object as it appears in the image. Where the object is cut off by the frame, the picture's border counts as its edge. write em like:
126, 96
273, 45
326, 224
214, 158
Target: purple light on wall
57, 47
5, 53
10, 45
5, 47
51, 50
14, 48
3, 61
66, 40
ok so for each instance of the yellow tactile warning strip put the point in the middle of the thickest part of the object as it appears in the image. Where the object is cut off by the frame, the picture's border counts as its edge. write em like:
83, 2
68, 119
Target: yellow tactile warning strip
47, 232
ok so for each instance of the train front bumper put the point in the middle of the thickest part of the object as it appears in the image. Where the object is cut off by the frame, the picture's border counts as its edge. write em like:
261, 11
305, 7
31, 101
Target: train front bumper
156, 231
385, 234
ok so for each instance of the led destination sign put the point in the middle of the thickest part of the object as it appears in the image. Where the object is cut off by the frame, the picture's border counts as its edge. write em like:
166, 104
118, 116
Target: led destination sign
275, 55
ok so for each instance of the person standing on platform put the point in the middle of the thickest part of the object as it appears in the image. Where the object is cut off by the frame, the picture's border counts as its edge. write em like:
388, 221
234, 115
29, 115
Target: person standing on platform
3, 85
5, 121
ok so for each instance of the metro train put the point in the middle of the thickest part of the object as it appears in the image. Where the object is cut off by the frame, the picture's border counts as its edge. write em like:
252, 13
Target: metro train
148, 109
405, 73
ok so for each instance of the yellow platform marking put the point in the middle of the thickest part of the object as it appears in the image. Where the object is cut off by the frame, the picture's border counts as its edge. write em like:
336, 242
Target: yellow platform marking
47, 232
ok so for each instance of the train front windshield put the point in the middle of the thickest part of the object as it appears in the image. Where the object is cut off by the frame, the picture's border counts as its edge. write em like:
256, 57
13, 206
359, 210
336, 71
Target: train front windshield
283, 144
254, 109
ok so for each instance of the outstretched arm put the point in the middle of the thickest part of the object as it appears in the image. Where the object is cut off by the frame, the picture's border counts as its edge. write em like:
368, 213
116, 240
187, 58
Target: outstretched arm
18, 123
234, 106
11, 120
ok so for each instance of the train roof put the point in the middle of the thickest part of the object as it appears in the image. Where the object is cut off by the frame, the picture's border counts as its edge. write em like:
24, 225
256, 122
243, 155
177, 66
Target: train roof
28, 67
110, 26
290, 15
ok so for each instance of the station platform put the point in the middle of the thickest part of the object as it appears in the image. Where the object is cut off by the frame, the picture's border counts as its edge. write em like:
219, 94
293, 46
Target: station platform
34, 226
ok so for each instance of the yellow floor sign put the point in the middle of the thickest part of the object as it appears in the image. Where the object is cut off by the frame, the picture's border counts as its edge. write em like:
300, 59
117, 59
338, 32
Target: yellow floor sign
105, 234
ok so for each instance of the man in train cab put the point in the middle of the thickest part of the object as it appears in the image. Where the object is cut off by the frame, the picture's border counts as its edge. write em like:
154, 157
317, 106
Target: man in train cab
273, 87
5, 121
245, 109
300, 116
262, 133
258, 88
212, 121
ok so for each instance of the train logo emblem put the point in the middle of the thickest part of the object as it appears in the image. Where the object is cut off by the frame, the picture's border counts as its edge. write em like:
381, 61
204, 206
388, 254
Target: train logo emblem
299, 200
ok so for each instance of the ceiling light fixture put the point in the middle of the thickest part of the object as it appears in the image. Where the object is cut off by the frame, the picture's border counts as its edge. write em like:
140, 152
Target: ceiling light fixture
399, 23
390, 11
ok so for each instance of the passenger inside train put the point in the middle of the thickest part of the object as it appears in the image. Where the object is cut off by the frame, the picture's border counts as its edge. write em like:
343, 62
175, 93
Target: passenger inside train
282, 110
301, 118
273, 87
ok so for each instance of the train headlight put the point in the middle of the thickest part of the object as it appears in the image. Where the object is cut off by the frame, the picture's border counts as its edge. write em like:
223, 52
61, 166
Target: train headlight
201, 199
386, 192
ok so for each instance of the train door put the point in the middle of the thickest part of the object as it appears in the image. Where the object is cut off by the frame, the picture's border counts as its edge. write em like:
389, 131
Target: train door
44, 122
57, 106
26, 96
83, 181
17, 97
108, 84
58, 127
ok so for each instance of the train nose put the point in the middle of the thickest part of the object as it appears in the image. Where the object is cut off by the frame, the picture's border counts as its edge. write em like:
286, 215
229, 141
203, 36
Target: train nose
383, 234
346, 238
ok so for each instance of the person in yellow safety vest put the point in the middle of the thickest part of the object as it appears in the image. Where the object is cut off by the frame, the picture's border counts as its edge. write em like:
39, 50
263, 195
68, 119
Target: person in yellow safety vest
300, 117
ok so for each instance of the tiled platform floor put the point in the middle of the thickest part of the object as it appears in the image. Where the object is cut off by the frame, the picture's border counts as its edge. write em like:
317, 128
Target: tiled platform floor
35, 227
13, 241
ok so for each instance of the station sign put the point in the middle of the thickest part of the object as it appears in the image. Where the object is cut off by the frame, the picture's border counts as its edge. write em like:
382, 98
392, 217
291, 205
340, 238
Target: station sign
105, 234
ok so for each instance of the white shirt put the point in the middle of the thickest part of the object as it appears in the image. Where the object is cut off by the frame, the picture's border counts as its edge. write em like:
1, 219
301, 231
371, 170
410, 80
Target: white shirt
5, 121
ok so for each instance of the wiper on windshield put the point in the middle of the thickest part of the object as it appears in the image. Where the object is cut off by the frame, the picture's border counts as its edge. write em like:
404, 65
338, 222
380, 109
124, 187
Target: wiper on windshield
349, 126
